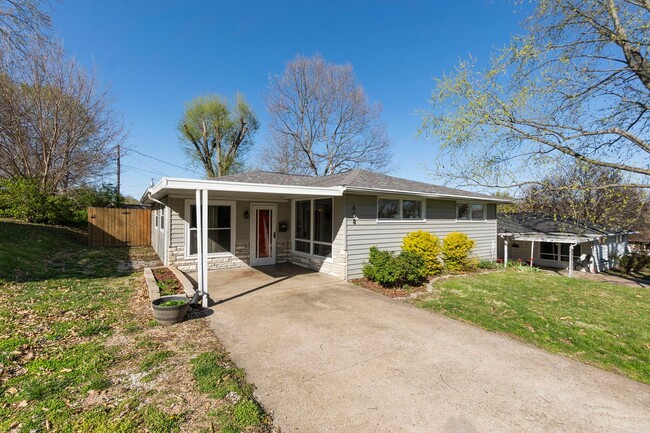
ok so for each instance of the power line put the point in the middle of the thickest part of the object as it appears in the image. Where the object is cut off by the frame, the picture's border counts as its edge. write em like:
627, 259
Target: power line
160, 160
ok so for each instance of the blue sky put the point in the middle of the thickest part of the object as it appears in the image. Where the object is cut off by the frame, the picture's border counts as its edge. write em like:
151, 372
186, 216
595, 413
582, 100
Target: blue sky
158, 55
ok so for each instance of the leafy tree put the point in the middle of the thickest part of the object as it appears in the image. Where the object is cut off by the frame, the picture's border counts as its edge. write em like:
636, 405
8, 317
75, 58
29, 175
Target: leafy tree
216, 135
576, 85
572, 192
321, 121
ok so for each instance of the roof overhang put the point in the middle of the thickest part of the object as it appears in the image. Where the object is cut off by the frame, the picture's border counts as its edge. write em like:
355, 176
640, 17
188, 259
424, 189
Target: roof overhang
552, 237
166, 184
427, 194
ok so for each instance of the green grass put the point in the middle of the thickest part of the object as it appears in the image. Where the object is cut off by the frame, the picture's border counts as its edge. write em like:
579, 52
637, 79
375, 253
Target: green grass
215, 376
59, 301
601, 324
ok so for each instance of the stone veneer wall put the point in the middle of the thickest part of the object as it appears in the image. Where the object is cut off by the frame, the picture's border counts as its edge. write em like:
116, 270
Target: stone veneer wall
239, 259
335, 267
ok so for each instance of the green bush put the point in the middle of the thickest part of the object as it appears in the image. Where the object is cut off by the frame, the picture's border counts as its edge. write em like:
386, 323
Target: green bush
428, 247
390, 270
486, 264
456, 248
634, 262
27, 200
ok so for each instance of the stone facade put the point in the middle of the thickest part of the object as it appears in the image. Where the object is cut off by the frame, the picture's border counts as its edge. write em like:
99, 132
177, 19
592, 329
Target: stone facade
239, 259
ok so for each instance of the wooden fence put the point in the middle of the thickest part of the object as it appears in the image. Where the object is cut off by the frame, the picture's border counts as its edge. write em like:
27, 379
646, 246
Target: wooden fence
109, 227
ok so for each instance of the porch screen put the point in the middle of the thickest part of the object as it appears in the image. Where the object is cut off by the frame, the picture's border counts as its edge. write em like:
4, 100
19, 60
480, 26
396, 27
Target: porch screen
219, 229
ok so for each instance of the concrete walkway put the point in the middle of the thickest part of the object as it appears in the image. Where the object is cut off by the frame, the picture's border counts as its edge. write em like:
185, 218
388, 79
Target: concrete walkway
327, 356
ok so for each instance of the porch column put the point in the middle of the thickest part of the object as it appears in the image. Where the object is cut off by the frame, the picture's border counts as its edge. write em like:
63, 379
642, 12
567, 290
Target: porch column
505, 251
571, 259
199, 242
532, 252
204, 245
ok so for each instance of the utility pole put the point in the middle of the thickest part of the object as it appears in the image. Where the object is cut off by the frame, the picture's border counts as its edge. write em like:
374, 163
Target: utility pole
117, 186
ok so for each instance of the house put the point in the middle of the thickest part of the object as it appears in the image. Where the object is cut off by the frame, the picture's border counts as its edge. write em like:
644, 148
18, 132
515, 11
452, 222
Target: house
324, 223
561, 244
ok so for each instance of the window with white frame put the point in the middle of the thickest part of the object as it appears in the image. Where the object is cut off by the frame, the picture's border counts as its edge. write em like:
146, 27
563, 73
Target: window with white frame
156, 218
399, 209
470, 211
313, 231
220, 228
162, 219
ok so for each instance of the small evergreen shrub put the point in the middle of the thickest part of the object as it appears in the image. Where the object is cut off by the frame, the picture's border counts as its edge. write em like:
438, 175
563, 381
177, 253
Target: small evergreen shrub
456, 248
426, 245
388, 269
634, 262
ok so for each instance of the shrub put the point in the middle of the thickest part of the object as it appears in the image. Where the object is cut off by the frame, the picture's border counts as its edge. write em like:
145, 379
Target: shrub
28, 200
428, 247
634, 262
456, 248
486, 264
388, 269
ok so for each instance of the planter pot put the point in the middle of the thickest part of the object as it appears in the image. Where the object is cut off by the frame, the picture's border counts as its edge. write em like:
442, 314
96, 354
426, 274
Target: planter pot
169, 315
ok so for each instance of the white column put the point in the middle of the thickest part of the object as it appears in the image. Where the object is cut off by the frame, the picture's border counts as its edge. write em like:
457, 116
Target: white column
532, 252
571, 260
199, 243
505, 251
204, 244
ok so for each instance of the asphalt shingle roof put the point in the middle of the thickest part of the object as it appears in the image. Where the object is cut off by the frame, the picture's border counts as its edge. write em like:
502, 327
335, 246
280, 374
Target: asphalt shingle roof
533, 223
354, 179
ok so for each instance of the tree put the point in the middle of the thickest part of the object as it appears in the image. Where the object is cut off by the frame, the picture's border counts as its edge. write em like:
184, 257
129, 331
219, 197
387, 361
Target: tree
57, 126
575, 86
571, 192
22, 23
217, 135
321, 121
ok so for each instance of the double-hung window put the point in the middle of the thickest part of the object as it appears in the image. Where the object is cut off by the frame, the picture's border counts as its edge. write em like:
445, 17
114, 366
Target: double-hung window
470, 211
399, 209
220, 227
313, 231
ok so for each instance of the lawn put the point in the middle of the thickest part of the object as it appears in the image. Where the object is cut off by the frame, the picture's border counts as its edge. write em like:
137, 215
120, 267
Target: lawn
600, 324
79, 350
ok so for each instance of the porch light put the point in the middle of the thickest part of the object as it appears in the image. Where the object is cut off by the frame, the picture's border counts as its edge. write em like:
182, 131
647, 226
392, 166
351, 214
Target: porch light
247, 215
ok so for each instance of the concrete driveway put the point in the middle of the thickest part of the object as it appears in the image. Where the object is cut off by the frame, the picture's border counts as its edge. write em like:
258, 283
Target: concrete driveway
327, 356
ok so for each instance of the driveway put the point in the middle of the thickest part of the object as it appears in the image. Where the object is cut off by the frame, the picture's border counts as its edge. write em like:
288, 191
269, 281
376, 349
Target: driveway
327, 356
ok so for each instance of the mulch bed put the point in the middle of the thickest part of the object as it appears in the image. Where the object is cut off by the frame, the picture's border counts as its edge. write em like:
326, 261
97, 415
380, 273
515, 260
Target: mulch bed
167, 282
391, 292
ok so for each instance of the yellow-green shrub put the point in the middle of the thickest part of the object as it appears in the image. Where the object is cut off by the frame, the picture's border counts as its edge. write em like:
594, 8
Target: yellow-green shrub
426, 245
456, 248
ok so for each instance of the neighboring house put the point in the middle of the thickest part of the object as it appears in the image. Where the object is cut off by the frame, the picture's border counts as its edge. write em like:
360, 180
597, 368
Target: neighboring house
559, 243
324, 223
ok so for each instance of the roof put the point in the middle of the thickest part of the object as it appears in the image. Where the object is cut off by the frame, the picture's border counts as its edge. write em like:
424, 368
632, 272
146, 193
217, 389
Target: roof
535, 225
354, 180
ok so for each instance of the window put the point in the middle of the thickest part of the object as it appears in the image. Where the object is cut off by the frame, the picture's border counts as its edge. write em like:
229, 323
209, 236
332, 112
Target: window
398, 209
470, 212
313, 232
156, 218
219, 226
162, 219
550, 250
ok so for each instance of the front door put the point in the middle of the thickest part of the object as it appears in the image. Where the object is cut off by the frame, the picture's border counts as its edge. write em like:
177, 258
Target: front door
263, 234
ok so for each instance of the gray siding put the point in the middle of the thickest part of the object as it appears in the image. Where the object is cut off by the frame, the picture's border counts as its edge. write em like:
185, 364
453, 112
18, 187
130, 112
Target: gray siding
365, 231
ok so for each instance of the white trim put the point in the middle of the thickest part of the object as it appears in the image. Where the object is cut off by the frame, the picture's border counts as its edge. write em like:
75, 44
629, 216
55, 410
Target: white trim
167, 234
233, 227
310, 241
167, 183
401, 218
253, 234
